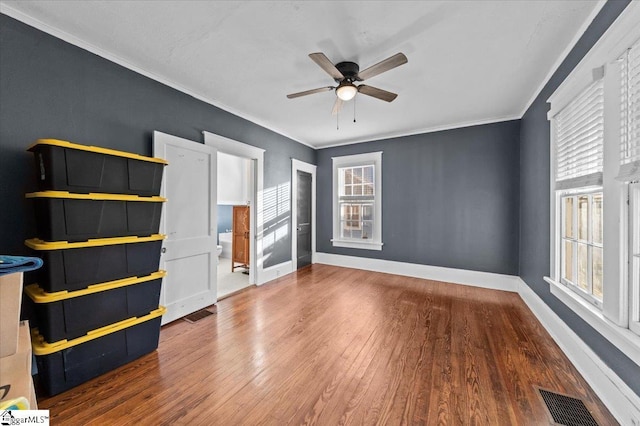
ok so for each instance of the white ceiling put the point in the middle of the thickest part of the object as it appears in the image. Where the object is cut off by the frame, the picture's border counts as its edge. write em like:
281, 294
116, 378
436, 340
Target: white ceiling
469, 61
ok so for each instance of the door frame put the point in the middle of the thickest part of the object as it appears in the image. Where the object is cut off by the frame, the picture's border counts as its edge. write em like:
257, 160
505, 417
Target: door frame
239, 149
297, 165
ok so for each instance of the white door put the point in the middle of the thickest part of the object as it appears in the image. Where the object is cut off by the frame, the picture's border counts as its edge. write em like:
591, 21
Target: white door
189, 222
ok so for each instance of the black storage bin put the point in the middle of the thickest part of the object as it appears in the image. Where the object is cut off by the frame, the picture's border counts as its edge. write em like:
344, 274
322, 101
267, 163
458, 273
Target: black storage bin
67, 315
74, 266
63, 365
66, 166
62, 216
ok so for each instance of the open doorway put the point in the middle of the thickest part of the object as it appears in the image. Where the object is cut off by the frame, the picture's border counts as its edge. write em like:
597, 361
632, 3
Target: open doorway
255, 159
235, 186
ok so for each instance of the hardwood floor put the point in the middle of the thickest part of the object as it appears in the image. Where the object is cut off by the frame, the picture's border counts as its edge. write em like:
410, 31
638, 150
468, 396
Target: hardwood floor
329, 346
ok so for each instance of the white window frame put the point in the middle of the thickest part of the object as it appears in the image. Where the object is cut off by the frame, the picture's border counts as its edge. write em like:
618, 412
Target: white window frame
634, 264
612, 318
371, 158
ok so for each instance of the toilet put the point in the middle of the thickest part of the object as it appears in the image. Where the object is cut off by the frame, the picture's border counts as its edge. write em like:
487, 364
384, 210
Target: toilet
218, 251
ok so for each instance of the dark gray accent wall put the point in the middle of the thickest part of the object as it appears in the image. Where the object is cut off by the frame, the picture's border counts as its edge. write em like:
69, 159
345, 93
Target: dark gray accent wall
535, 204
52, 89
449, 198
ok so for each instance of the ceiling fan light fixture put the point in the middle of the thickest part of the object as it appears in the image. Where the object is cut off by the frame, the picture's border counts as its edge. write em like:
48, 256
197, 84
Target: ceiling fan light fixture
346, 91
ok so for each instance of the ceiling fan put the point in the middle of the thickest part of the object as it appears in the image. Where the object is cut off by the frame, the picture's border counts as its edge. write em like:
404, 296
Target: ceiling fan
346, 73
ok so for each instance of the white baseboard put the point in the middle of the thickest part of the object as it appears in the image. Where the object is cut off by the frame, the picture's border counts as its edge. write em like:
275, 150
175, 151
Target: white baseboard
436, 273
623, 403
275, 271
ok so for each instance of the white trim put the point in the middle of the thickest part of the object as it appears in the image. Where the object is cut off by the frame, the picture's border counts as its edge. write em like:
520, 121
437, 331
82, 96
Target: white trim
632, 271
615, 230
83, 44
563, 56
357, 244
230, 146
436, 273
276, 271
297, 165
618, 397
621, 337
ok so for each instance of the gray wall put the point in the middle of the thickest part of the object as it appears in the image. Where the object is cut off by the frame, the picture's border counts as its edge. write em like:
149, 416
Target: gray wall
449, 199
534, 202
51, 89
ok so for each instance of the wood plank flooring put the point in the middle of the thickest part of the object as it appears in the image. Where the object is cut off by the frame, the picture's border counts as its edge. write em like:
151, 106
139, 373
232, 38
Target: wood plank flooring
329, 346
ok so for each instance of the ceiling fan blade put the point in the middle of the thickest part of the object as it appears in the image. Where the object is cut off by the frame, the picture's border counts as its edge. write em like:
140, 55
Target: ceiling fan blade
324, 63
337, 106
377, 93
310, 92
389, 63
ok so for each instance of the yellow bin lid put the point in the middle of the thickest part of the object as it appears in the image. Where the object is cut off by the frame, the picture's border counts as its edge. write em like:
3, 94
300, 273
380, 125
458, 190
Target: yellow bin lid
94, 196
38, 295
38, 244
40, 347
97, 149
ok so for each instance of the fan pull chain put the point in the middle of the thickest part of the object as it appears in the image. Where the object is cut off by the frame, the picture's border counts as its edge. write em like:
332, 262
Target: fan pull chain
354, 107
338, 120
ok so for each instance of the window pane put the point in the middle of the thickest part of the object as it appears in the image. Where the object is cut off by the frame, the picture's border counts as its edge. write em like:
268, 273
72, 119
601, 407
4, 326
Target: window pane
345, 231
345, 212
367, 230
567, 264
355, 212
367, 175
597, 272
583, 261
367, 212
568, 218
357, 175
368, 189
347, 176
357, 189
583, 217
347, 190
596, 218
635, 282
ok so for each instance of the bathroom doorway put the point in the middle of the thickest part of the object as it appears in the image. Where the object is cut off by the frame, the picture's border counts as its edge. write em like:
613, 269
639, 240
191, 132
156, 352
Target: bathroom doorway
235, 188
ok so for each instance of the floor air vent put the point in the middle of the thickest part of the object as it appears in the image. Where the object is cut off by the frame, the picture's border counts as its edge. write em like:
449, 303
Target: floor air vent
567, 411
198, 315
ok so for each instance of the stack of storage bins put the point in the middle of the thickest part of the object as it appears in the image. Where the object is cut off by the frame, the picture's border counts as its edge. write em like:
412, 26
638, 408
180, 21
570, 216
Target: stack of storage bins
96, 299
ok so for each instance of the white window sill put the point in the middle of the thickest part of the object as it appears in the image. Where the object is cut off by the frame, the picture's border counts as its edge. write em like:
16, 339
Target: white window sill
624, 339
357, 244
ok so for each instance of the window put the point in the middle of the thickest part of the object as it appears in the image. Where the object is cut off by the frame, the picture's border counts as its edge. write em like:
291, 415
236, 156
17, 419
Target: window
630, 169
357, 181
594, 195
579, 136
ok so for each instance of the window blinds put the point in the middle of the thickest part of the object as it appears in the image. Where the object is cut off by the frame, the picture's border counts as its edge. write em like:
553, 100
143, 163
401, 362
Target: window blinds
579, 139
630, 115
